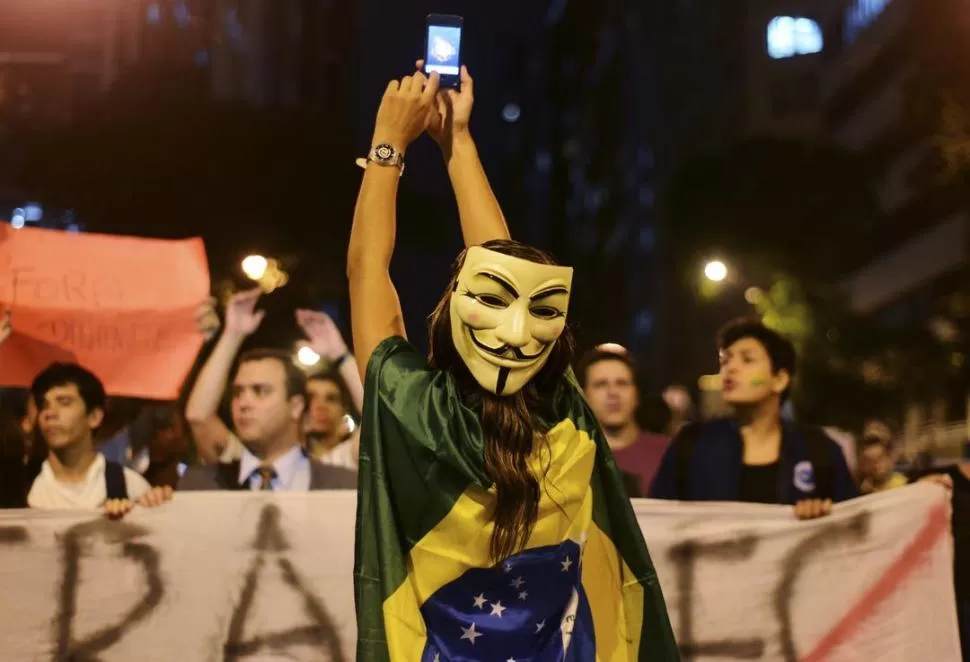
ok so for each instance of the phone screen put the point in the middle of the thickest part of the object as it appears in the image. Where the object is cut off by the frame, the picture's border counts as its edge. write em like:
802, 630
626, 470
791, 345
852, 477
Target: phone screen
443, 52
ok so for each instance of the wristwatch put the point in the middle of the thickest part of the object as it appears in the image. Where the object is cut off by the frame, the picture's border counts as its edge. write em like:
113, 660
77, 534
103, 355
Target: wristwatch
383, 155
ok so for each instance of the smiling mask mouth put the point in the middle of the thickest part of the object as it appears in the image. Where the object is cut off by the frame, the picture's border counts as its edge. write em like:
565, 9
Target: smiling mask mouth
501, 352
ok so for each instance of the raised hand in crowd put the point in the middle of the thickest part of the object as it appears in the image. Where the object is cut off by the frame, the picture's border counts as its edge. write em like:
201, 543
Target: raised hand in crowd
324, 336
207, 319
201, 410
242, 318
153, 498
327, 341
6, 326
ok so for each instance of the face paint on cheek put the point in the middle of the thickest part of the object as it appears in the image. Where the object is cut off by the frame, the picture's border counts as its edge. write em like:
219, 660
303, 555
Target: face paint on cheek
759, 382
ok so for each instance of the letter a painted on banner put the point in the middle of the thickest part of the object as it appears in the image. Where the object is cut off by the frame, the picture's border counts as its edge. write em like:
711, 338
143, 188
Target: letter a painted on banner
320, 633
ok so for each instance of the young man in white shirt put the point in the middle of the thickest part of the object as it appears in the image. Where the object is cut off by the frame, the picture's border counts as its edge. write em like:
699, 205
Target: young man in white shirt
70, 402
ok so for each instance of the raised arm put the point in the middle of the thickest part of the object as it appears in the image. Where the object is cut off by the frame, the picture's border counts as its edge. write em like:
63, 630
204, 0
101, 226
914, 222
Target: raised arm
201, 409
481, 216
375, 309
326, 340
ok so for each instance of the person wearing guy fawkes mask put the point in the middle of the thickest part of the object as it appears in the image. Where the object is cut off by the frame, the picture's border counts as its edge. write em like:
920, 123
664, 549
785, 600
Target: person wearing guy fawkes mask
481, 465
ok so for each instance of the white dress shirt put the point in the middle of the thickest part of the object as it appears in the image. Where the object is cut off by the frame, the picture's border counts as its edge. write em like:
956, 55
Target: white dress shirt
341, 455
292, 471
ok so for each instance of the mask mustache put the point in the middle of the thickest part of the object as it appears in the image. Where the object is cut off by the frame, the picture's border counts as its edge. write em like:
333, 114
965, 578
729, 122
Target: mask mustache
505, 349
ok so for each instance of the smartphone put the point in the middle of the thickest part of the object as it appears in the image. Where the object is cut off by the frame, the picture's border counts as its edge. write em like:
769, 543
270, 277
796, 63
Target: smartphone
442, 49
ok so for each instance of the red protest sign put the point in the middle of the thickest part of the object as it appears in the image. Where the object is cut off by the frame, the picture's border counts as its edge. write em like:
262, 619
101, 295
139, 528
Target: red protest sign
123, 307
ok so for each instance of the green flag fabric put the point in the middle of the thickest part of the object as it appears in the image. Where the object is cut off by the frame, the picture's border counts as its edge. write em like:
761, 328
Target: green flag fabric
584, 588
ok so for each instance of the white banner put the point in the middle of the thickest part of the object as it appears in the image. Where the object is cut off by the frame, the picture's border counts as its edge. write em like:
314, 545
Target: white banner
229, 576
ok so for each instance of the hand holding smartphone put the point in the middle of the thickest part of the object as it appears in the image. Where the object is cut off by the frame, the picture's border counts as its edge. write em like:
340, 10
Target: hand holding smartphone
442, 50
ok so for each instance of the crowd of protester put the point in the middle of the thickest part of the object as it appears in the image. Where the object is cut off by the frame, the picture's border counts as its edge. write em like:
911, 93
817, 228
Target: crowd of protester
255, 420
65, 444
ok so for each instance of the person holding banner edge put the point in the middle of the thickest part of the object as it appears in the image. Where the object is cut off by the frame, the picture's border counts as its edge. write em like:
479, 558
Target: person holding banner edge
70, 401
485, 483
755, 456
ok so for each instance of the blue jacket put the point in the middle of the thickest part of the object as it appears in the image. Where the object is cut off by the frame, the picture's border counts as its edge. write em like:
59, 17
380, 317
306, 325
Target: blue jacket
714, 472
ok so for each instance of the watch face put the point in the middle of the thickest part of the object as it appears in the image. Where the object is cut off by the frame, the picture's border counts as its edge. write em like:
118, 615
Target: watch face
384, 152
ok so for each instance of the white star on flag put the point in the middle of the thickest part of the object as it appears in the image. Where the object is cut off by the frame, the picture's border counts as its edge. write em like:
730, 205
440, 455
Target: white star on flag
511, 659
470, 634
507, 567
567, 564
517, 582
523, 595
480, 600
539, 626
497, 609
437, 657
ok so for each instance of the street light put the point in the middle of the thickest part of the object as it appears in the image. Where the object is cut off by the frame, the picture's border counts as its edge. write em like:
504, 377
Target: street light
715, 271
307, 357
254, 266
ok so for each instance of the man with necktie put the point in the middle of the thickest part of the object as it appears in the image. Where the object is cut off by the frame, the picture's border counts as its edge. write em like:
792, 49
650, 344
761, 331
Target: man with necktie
268, 401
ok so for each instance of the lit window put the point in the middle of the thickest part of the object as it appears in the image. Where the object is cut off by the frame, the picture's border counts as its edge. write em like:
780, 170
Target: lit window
789, 36
643, 323
33, 212
644, 157
646, 196
233, 25
543, 161
860, 15
511, 112
647, 239
181, 13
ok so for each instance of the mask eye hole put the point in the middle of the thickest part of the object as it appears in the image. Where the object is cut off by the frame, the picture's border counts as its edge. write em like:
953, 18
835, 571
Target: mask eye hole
545, 312
491, 300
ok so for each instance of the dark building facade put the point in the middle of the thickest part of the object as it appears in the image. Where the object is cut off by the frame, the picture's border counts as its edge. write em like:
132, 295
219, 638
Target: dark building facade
895, 92
281, 53
587, 165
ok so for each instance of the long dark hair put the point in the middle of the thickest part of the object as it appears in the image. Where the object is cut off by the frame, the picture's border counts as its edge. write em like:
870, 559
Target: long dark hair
508, 424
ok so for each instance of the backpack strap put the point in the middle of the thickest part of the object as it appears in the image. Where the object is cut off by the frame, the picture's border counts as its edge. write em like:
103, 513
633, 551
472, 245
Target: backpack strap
684, 449
819, 450
114, 480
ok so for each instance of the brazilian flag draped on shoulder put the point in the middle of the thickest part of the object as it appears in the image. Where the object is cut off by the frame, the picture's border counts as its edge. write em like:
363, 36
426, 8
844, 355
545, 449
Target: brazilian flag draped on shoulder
583, 589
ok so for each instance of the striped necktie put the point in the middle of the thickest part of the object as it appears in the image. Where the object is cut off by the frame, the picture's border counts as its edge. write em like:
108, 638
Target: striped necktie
266, 476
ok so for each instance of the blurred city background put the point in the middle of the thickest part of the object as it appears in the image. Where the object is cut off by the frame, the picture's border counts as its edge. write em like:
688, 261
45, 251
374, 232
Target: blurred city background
805, 161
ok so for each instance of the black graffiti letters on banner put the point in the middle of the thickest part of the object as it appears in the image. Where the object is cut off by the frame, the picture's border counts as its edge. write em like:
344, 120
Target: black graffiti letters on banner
321, 633
746, 645
685, 557
13, 535
827, 535
270, 547
70, 649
